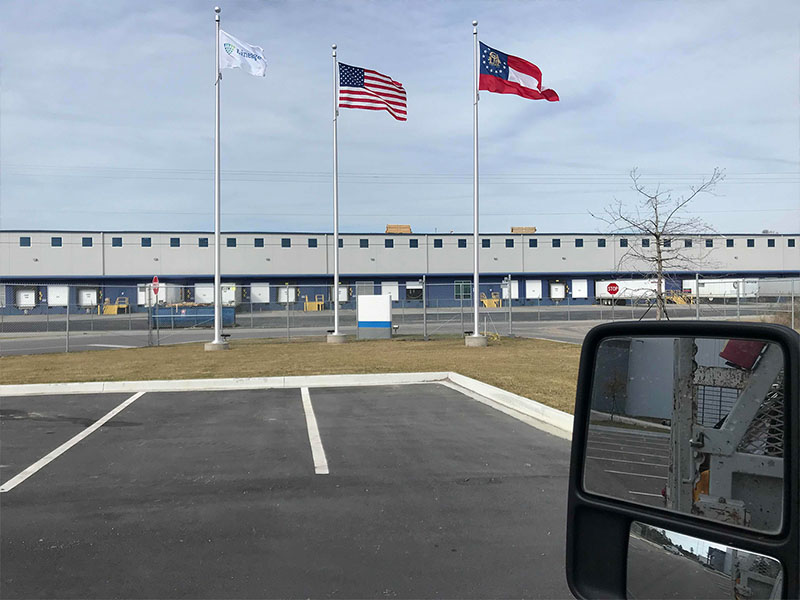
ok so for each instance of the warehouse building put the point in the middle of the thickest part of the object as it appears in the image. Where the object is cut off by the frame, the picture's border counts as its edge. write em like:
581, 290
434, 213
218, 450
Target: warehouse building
267, 269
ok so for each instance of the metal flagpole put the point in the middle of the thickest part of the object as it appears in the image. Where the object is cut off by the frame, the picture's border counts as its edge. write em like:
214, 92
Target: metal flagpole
336, 336
218, 343
476, 339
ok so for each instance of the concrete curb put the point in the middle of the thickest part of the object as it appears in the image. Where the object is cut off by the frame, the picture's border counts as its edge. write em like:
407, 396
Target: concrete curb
240, 383
529, 411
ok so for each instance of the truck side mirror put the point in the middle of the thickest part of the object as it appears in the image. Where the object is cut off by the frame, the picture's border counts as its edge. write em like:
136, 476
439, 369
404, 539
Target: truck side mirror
685, 464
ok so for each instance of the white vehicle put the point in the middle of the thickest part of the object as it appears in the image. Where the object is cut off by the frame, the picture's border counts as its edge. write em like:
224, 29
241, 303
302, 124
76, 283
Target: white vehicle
721, 289
626, 289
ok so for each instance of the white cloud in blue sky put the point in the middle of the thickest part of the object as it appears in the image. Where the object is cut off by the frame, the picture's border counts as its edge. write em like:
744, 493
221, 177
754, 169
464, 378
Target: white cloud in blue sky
107, 114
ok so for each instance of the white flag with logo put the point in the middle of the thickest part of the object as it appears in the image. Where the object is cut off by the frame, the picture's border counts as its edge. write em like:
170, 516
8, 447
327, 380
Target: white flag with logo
235, 54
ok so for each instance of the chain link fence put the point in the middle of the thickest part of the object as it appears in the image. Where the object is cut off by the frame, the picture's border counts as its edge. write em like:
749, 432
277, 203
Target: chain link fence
61, 317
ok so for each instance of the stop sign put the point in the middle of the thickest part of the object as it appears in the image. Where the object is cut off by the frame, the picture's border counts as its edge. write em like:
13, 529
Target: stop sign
612, 288
155, 285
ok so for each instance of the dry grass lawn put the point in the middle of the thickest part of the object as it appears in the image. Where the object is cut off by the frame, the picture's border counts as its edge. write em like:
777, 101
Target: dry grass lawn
537, 369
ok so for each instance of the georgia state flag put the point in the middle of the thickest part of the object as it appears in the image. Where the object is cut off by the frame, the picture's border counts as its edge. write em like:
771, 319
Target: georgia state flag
506, 74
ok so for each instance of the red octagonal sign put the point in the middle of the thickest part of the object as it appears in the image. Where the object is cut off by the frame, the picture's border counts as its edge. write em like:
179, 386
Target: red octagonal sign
155, 285
612, 288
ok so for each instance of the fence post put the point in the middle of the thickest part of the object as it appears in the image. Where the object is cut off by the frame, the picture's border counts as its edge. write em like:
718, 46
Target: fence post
251, 309
461, 308
738, 285
47, 316
793, 280
697, 296
158, 324
424, 308
67, 325
149, 316
509, 306
569, 307
288, 329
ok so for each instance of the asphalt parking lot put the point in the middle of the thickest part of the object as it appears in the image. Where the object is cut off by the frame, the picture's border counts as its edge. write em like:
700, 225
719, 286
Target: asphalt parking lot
413, 491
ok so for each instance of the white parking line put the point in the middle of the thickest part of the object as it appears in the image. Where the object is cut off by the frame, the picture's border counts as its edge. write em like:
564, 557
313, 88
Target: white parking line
44, 461
645, 494
636, 474
317, 451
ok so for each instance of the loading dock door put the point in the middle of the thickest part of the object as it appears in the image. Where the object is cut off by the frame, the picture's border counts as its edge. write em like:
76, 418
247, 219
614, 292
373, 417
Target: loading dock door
514, 290
558, 291
57, 295
25, 298
87, 297
391, 288
580, 288
533, 289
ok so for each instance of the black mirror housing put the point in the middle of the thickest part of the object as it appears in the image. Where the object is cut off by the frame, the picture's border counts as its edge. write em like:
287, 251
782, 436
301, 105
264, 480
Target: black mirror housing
598, 526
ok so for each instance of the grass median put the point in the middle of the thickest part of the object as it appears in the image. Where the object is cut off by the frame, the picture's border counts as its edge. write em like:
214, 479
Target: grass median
540, 370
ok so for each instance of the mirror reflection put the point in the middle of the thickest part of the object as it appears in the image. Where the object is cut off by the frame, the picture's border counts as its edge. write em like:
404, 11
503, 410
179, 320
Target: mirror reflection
665, 564
692, 425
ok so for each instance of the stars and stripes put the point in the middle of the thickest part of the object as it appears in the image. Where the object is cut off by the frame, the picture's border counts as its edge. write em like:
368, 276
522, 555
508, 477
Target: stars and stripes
370, 90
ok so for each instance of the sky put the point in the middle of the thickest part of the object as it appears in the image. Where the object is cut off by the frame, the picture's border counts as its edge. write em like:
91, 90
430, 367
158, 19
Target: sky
107, 114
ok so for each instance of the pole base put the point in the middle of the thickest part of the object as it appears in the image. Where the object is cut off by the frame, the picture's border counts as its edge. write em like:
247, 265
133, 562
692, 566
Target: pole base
476, 341
337, 338
212, 346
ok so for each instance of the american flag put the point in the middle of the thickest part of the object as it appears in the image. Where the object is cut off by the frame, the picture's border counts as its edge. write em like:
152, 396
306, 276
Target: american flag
370, 90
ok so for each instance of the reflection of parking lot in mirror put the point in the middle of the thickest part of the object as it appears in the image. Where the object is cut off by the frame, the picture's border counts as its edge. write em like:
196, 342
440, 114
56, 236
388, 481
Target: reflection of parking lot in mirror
665, 564
691, 425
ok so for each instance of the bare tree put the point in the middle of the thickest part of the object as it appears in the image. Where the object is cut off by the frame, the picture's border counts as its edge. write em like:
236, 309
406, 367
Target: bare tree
660, 217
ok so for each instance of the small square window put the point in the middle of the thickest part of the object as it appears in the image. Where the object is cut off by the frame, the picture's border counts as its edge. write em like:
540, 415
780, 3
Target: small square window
751, 243
623, 243
486, 243
86, 242
645, 242
312, 242
25, 241
729, 243
174, 242
437, 243
341, 242
667, 243
532, 243
790, 243
579, 242
388, 243
116, 242
770, 243
55, 242
258, 242
202, 242
462, 242
509, 242
363, 243
601, 242
687, 243
556, 243
709, 243
146, 242
231, 243
413, 243
286, 243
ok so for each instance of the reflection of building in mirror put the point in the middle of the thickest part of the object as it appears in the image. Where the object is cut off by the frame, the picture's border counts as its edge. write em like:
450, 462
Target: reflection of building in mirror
665, 564
693, 425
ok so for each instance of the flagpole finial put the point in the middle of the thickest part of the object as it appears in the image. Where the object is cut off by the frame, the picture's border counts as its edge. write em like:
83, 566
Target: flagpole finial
217, 9
474, 23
